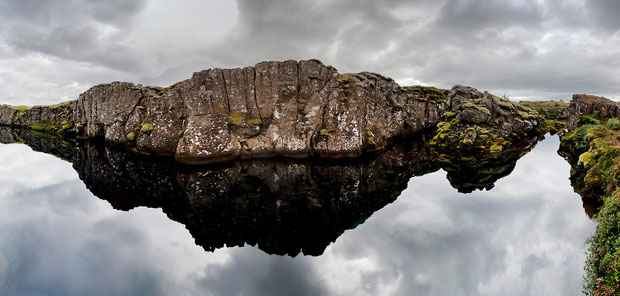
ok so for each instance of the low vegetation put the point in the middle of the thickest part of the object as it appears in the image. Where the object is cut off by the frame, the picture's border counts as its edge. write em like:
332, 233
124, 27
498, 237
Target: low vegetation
597, 144
428, 93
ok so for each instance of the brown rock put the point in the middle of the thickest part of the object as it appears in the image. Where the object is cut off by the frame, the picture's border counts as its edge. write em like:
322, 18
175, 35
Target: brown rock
587, 104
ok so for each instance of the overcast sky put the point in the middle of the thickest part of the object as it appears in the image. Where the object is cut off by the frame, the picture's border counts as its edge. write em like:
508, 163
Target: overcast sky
51, 51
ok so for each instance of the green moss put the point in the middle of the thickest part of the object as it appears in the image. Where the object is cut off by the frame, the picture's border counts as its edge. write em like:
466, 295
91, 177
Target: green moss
602, 270
41, 126
346, 79
449, 114
427, 93
235, 118
146, 127
526, 115
587, 159
580, 136
326, 131
589, 119
17, 115
131, 136
160, 90
254, 121
66, 125
504, 103
370, 138
19, 108
471, 105
496, 148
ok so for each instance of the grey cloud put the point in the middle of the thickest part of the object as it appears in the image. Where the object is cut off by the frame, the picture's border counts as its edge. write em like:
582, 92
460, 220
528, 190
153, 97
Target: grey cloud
72, 30
525, 48
604, 13
487, 44
251, 272
114, 11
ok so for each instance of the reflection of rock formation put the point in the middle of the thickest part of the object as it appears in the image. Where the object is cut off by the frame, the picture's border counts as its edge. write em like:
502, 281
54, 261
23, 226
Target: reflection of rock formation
281, 207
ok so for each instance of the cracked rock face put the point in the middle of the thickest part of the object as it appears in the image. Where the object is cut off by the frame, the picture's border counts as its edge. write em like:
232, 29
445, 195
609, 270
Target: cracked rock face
588, 104
290, 108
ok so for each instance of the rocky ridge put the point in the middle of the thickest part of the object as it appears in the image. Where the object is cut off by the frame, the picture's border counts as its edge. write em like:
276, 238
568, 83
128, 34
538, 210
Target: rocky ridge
291, 109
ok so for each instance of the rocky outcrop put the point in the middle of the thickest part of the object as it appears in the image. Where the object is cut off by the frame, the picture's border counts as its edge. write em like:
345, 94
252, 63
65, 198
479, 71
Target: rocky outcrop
292, 109
592, 147
6, 115
477, 122
582, 105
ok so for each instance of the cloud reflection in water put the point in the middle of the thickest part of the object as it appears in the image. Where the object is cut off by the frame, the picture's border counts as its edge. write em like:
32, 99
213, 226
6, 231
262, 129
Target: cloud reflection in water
524, 237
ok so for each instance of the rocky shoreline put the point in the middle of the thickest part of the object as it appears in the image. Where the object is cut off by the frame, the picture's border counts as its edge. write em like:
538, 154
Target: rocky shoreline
299, 110
290, 109
592, 147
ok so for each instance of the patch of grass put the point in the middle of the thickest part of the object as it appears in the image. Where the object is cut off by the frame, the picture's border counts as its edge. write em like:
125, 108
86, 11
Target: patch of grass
19, 108
589, 119
602, 270
613, 123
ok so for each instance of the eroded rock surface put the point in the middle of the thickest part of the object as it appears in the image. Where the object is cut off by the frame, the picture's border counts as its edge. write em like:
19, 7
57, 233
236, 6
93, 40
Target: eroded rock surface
292, 109
591, 105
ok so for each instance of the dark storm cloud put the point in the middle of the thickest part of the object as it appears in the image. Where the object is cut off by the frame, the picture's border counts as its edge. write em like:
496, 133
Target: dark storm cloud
515, 46
72, 30
605, 13
251, 272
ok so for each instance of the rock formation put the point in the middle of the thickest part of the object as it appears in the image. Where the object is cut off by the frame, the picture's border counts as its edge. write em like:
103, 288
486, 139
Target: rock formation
591, 105
291, 109
282, 207
592, 147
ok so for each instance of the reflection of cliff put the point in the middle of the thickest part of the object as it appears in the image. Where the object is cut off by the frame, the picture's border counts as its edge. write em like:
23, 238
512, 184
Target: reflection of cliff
281, 207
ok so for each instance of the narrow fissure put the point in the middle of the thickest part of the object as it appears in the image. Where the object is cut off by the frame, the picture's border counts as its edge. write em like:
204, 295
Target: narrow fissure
225, 90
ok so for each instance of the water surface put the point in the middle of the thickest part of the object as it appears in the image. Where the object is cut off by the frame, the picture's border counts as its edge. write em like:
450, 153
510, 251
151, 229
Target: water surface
526, 236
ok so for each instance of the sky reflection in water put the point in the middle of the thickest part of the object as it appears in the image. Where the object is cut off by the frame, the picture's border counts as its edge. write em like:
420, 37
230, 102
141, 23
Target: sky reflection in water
524, 237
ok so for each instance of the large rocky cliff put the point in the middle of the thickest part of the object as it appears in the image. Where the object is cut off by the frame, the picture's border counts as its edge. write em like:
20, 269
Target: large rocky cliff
290, 108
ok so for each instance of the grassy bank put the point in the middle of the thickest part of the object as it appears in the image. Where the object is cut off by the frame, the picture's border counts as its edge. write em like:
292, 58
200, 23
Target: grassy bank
597, 144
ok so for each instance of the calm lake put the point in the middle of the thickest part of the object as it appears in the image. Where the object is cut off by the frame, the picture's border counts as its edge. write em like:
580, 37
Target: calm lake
526, 236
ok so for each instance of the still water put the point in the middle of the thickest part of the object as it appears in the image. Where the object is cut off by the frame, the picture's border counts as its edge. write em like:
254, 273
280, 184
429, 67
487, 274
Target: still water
526, 236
